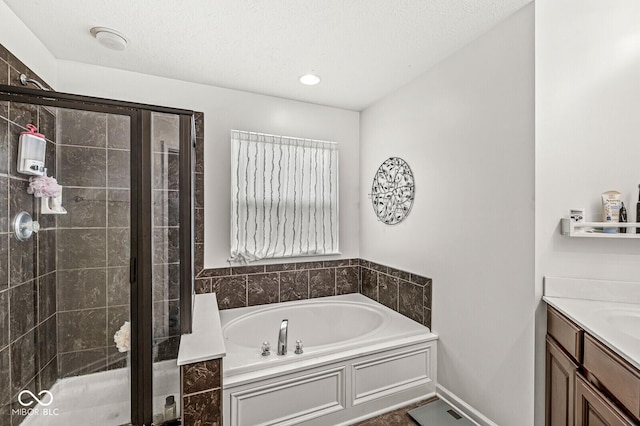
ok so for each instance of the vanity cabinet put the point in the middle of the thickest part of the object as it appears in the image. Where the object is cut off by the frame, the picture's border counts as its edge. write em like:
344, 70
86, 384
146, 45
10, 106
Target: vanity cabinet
587, 384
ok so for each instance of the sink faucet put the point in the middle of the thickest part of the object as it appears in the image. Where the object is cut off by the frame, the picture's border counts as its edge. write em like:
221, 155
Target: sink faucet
282, 337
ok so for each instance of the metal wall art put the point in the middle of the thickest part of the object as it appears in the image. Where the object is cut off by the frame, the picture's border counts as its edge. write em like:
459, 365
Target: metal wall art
392, 191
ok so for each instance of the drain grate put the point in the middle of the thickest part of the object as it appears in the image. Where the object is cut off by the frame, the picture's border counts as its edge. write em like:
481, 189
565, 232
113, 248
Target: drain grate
454, 414
438, 413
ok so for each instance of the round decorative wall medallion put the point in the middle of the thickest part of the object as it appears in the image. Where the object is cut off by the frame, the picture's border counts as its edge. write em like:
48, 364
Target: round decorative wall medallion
392, 191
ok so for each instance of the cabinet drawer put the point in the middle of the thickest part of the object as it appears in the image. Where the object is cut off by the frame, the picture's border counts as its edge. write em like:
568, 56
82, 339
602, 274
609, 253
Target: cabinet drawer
566, 333
614, 375
593, 408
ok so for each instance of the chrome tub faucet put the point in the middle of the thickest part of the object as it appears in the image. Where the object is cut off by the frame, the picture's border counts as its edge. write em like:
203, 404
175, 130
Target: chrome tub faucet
282, 337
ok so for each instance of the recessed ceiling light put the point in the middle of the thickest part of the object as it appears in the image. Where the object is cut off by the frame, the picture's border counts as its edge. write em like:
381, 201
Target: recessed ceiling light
109, 38
309, 79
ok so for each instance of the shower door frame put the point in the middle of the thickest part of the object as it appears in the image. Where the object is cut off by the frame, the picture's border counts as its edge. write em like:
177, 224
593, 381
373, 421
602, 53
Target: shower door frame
141, 238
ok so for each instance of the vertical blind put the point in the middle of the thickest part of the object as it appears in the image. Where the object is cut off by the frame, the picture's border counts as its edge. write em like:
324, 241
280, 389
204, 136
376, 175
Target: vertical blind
284, 197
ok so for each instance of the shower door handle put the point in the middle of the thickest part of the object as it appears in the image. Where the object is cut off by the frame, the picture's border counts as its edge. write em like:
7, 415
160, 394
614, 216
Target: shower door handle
133, 270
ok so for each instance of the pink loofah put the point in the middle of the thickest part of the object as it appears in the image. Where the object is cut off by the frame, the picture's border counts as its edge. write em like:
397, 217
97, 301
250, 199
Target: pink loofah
44, 186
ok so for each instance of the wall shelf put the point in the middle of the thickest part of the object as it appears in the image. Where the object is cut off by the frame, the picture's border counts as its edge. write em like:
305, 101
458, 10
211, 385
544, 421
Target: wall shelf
586, 229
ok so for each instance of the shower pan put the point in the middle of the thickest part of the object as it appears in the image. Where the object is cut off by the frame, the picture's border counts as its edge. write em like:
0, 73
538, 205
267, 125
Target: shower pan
94, 298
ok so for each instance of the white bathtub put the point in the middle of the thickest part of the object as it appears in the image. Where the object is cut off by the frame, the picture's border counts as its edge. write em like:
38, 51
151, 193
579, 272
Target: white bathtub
360, 359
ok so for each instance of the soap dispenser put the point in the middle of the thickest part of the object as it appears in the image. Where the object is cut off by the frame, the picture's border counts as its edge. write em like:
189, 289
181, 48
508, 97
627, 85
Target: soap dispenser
31, 151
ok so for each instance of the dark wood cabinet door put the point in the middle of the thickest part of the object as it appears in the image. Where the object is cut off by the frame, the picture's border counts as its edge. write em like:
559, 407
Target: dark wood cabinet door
560, 386
593, 409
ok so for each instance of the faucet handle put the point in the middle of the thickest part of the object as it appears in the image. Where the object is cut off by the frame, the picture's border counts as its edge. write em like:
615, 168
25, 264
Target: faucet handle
266, 348
298, 346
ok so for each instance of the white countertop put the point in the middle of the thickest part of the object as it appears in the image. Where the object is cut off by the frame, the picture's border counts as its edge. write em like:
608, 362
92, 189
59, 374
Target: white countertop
206, 341
610, 320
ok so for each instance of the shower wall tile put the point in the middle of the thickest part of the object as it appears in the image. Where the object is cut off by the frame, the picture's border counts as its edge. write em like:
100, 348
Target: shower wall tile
118, 286
81, 248
166, 245
166, 318
23, 364
86, 208
199, 191
46, 251
166, 208
81, 289
4, 318
165, 348
116, 317
119, 249
46, 342
4, 142
263, 289
21, 261
14, 137
199, 160
199, 226
50, 159
166, 281
116, 359
84, 167
118, 131
47, 300
166, 169
119, 208
23, 114
165, 132
4, 73
80, 330
82, 128
47, 125
118, 169
4, 261
82, 362
23, 309
49, 374
4, 203
19, 199
5, 383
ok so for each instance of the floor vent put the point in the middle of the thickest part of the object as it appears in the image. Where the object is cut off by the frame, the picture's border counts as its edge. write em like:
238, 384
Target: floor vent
438, 413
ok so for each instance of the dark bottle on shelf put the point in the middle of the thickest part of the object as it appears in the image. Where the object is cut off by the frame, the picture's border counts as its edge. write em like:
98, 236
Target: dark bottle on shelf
638, 211
623, 218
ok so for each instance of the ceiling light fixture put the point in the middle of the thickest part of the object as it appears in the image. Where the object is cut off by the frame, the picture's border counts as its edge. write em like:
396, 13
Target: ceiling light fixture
309, 79
109, 38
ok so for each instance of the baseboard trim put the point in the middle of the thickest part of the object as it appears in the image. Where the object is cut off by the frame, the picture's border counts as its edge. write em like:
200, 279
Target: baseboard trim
469, 412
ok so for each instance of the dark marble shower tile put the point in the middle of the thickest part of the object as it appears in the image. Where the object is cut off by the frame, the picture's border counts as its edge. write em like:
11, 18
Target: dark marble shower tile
427, 317
12, 146
202, 409
80, 330
165, 130
23, 311
116, 359
4, 204
199, 226
370, 283
166, 281
417, 279
166, 319
410, 303
200, 376
118, 286
46, 251
309, 265
19, 199
214, 272
118, 169
198, 260
81, 248
4, 76
322, 282
388, 291
4, 145
84, 167
118, 131
199, 160
199, 122
165, 348
47, 300
378, 267
82, 362
23, 361
46, 342
49, 374
166, 208
21, 261
335, 263
81, 289
166, 245
50, 159
199, 191
231, 292
399, 274
118, 208
5, 367
47, 123
166, 168
240, 270
118, 247
116, 317
4, 261
82, 128
263, 288
280, 267
294, 285
427, 295
23, 114
86, 208
4, 318
347, 280
202, 285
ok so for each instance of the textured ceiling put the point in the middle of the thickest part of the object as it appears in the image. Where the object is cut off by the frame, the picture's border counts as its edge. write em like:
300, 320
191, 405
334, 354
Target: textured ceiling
362, 49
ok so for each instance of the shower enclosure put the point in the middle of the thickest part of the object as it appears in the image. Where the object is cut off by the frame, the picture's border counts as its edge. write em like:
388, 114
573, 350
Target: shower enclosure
92, 304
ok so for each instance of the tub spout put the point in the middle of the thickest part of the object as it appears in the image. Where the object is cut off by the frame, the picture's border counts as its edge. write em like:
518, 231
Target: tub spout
282, 337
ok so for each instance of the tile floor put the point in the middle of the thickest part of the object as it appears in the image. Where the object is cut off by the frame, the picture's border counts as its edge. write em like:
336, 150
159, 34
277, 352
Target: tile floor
397, 417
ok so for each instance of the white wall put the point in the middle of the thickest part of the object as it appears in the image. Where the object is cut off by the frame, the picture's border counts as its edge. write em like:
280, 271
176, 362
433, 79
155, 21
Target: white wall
225, 110
19, 40
587, 139
466, 129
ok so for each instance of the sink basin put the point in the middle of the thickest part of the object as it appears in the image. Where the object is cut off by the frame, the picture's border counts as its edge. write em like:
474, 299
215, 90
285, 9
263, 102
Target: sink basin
625, 320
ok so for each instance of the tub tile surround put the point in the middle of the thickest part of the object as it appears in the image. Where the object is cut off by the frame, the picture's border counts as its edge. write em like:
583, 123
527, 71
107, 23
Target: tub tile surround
201, 393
